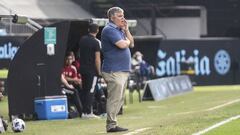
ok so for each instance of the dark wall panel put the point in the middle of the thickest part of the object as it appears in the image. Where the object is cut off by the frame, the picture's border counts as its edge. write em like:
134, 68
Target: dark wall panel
8, 48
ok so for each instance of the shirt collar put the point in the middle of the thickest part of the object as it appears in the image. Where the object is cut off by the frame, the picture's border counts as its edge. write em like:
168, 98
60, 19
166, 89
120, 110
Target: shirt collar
114, 26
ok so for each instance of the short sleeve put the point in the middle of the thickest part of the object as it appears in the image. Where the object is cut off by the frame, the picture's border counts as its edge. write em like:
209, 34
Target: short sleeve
97, 45
114, 35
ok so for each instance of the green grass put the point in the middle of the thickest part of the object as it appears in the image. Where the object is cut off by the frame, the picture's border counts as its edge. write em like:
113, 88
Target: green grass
4, 107
3, 73
180, 115
231, 128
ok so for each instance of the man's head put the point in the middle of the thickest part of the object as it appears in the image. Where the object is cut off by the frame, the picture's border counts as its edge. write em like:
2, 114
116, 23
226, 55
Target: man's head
116, 15
68, 59
138, 56
72, 54
93, 28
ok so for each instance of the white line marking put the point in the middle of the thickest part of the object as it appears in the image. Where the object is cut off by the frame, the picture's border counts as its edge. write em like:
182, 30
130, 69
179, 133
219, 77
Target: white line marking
220, 106
212, 108
217, 125
137, 131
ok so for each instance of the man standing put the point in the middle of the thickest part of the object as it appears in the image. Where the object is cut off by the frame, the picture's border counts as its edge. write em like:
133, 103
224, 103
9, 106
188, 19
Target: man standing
90, 68
116, 41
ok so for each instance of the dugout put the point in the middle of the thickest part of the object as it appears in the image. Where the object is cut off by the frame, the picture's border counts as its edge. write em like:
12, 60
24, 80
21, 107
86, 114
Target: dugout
34, 73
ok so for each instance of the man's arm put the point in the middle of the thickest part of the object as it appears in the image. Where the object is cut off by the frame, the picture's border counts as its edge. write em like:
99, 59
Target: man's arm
123, 43
130, 38
129, 41
74, 79
65, 83
98, 62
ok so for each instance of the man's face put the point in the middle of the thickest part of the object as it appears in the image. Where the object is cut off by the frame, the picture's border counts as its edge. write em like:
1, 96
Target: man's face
118, 19
69, 60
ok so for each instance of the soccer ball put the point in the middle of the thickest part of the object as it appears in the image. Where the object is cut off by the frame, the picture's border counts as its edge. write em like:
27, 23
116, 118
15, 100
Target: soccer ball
18, 125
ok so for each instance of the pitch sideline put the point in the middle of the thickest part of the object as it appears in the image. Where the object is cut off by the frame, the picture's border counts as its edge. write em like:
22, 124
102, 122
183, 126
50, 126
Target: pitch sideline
212, 108
217, 125
137, 131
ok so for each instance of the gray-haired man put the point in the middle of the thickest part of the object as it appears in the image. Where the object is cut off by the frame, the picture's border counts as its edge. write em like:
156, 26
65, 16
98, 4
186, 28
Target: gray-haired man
116, 41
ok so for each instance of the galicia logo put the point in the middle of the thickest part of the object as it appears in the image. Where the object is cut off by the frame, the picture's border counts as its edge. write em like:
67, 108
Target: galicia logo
171, 64
222, 62
7, 51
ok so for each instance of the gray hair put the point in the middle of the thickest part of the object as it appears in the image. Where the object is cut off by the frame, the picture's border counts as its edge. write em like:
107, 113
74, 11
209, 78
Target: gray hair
111, 12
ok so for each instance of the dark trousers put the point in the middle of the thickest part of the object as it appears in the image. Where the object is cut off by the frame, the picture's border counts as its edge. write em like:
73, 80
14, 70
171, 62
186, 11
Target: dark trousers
89, 82
99, 105
74, 98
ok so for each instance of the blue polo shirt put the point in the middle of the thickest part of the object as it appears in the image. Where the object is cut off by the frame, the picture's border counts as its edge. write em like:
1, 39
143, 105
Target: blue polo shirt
115, 59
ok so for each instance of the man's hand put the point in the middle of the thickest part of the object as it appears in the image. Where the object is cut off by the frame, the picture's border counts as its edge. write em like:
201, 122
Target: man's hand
70, 86
125, 28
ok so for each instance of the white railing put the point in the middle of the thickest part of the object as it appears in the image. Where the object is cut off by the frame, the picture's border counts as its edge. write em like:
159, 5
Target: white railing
7, 27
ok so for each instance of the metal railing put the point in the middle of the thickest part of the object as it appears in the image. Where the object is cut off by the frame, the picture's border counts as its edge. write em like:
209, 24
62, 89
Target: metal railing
10, 28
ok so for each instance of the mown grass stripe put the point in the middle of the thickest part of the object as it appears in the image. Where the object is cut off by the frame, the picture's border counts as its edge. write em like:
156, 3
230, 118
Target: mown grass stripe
217, 125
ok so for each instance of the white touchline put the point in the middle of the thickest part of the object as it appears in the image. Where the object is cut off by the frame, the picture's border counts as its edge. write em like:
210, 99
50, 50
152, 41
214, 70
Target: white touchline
212, 108
137, 131
217, 125
220, 106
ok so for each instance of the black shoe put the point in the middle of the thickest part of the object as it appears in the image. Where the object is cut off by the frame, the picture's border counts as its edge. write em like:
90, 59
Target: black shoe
117, 129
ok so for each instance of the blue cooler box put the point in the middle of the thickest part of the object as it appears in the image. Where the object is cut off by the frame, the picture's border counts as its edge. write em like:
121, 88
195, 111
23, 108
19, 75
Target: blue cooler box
51, 107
